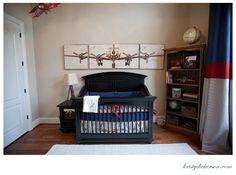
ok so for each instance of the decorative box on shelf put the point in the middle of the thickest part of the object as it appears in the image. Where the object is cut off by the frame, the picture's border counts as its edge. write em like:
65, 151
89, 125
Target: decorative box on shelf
176, 92
172, 119
189, 124
189, 111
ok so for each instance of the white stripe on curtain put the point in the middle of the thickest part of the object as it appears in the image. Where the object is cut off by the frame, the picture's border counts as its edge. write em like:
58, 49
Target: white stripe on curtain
215, 116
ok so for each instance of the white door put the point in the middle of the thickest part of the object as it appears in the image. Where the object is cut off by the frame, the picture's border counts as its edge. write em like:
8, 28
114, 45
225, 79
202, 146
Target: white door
15, 111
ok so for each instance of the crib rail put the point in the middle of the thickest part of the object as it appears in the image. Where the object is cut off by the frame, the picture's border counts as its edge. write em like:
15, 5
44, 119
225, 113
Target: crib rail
115, 118
118, 119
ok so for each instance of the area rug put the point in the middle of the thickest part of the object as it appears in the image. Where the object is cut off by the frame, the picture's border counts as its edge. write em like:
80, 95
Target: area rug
122, 149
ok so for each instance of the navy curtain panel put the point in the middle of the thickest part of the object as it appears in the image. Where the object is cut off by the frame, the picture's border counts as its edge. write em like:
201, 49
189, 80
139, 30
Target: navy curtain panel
216, 112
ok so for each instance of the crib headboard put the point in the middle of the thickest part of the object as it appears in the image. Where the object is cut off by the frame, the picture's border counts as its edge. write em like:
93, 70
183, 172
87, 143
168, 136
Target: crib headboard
114, 81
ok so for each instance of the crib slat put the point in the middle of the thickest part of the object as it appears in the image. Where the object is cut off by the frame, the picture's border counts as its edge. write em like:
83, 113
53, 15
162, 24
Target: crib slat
131, 122
101, 119
84, 124
91, 116
91, 122
136, 118
111, 121
147, 126
140, 120
108, 124
124, 118
119, 119
116, 123
132, 119
104, 128
81, 125
128, 118
94, 123
144, 123
95, 119
87, 123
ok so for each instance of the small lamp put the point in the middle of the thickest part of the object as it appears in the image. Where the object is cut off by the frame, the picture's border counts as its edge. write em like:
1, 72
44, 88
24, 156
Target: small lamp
70, 80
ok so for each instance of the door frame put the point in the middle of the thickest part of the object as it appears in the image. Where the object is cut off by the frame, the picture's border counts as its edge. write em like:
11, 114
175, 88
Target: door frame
25, 68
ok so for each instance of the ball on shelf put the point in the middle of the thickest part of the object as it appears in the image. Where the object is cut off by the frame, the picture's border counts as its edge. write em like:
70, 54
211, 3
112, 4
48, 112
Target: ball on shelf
173, 105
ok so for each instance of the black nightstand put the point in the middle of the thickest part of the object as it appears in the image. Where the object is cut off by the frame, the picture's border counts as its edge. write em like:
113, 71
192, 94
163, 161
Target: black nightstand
67, 116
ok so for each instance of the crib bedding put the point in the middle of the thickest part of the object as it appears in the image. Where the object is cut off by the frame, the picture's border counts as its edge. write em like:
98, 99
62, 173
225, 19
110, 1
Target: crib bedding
127, 119
116, 113
97, 127
125, 109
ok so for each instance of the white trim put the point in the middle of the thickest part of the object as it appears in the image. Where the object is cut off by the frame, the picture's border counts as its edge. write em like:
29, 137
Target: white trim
45, 120
25, 70
35, 123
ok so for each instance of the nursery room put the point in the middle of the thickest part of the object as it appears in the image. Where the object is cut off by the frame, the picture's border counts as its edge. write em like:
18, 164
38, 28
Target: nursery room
117, 78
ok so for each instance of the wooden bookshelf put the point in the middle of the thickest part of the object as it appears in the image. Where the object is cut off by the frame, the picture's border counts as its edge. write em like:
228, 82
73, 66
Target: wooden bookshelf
184, 67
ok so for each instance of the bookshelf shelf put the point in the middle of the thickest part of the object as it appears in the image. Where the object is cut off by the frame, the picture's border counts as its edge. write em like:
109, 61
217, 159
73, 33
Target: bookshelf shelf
184, 100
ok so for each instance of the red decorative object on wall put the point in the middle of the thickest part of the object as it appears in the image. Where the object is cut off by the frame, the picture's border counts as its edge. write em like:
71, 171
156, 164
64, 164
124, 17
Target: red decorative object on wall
43, 8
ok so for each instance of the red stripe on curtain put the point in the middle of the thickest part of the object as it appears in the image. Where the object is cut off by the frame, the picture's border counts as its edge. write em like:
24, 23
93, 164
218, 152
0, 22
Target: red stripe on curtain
219, 70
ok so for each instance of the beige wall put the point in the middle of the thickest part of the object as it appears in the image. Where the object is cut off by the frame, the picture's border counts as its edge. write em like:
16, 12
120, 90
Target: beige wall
98, 24
199, 17
20, 11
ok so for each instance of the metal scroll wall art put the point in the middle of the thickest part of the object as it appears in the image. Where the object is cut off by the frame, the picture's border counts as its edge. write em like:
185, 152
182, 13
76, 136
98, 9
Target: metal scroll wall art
114, 56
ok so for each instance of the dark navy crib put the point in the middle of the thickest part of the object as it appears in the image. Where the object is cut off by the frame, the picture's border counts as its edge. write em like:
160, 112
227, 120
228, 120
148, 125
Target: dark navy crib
125, 111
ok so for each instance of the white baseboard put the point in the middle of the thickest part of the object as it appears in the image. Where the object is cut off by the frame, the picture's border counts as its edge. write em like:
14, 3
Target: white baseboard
160, 119
35, 123
45, 120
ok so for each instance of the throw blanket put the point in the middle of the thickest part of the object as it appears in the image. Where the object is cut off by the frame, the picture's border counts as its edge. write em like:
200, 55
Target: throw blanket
90, 104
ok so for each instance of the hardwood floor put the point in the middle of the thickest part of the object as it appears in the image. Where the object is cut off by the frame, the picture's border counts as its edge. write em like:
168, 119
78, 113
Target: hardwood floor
44, 136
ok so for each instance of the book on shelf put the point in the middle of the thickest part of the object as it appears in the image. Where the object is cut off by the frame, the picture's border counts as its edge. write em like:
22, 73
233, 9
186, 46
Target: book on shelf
190, 95
169, 78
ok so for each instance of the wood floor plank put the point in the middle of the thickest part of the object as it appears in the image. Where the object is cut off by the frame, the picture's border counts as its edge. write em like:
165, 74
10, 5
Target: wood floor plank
44, 136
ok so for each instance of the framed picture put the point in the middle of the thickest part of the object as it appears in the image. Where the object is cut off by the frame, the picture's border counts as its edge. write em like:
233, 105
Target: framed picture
76, 56
190, 62
176, 92
151, 56
98, 56
114, 56
128, 56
